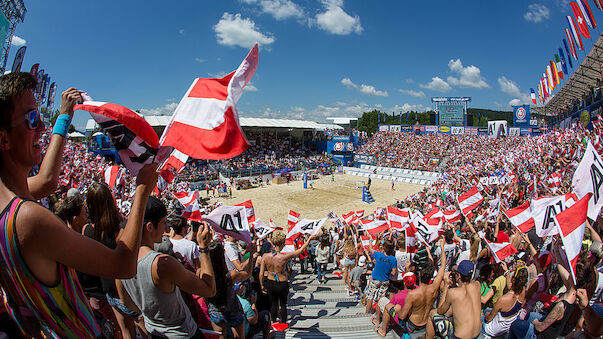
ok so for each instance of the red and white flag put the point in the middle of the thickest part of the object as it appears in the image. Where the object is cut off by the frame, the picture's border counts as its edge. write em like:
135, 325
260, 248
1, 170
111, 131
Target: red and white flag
359, 214
397, 218
521, 217
191, 205
571, 224
543, 211
133, 137
374, 226
170, 168
452, 216
501, 250
306, 226
575, 36
113, 175
470, 200
248, 210
205, 124
292, 218
350, 218
587, 13
272, 225
366, 241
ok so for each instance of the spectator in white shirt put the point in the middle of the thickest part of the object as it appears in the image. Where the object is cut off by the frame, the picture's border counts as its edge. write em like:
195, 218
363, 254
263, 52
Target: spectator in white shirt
186, 248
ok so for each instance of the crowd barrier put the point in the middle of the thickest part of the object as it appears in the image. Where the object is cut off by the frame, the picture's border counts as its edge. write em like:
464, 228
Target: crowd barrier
407, 176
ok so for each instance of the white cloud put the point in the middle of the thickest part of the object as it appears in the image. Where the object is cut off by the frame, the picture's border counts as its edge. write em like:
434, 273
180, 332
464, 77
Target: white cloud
437, 84
281, 9
469, 76
200, 60
508, 86
537, 13
232, 30
410, 81
336, 21
514, 102
166, 109
18, 41
366, 89
409, 107
416, 94
250, 88
181, 32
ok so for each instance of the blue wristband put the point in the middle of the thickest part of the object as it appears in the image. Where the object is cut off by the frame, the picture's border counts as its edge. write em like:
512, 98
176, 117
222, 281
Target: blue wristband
61, 125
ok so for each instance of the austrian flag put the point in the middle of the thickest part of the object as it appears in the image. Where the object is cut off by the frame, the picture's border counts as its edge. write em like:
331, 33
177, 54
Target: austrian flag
521, 217
470, 200
205, 124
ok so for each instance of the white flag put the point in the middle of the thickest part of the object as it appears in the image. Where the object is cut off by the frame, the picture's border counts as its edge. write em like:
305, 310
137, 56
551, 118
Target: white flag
588, 178
261, 229
230, 220
306, 226
544, 211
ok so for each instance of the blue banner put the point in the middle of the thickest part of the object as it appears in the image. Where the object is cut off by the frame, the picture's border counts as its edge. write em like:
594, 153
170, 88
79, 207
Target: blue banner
521, 115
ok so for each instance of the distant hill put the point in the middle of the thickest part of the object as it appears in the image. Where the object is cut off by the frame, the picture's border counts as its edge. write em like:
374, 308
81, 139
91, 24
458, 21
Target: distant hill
476, 113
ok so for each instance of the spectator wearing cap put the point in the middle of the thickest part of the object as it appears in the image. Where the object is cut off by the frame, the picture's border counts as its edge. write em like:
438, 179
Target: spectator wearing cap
461, 293
394, 304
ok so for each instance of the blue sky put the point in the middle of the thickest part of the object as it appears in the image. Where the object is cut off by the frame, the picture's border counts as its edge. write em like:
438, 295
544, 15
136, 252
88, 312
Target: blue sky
318, 58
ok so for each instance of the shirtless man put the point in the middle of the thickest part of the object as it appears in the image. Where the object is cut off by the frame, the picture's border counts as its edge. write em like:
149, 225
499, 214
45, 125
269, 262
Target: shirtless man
465, 322
420, 300
276, 283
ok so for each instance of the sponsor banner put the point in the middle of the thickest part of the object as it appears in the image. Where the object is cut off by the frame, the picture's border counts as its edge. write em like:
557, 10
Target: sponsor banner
482, 130
525, 131
406, 128
444, 129
514, 131
449, 99
457, 130
584, 117
394, 128
521, 115
341, 138
383, 128
364, 159
471, 130
497, 129
533, 122
19, 59
431, 129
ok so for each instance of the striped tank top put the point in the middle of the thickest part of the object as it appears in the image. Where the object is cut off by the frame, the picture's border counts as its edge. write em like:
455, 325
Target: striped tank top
41, 311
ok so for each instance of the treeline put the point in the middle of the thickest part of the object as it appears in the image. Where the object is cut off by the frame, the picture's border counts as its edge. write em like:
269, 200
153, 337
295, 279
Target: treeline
369, 122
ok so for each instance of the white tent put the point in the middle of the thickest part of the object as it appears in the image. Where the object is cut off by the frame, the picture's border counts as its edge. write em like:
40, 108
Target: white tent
75, 135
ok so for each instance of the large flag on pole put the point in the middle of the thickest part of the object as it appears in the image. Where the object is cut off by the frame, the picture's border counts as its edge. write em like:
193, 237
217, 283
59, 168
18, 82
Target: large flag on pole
588, 178
205, 124
19, 59
563, 64
571, 224
533, 96
567, 51
559, 66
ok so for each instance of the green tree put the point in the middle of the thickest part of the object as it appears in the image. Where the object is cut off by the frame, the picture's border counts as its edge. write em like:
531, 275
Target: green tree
368, 121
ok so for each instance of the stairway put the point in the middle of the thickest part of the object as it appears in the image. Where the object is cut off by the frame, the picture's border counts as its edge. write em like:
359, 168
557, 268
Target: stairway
325, 311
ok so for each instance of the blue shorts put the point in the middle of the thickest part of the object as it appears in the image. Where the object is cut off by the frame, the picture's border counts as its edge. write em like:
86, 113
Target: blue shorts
218, 317
118, 305
598, 308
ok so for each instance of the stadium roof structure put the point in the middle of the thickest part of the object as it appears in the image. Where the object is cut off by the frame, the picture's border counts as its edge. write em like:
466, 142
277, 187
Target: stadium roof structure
580, 82
162, 121
342, 120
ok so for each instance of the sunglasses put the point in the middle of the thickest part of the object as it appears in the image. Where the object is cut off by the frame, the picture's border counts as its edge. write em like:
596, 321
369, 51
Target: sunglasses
32, 118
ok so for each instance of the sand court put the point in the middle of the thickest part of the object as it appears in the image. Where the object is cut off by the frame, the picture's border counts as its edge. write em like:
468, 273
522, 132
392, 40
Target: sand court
341, 196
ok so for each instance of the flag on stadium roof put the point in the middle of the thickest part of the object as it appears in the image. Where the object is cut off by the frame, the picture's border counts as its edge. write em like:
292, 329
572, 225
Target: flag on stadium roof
559, 66
563, 64
580, 20
587, 13
599, 4
577, 40
567, 51
533, 95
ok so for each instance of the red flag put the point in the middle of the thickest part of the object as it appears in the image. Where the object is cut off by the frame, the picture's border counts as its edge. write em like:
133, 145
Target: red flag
575, 33
397, 217
587, 13
112, 175
452, 216
191, 205
205, 124
170, 168
501, 250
